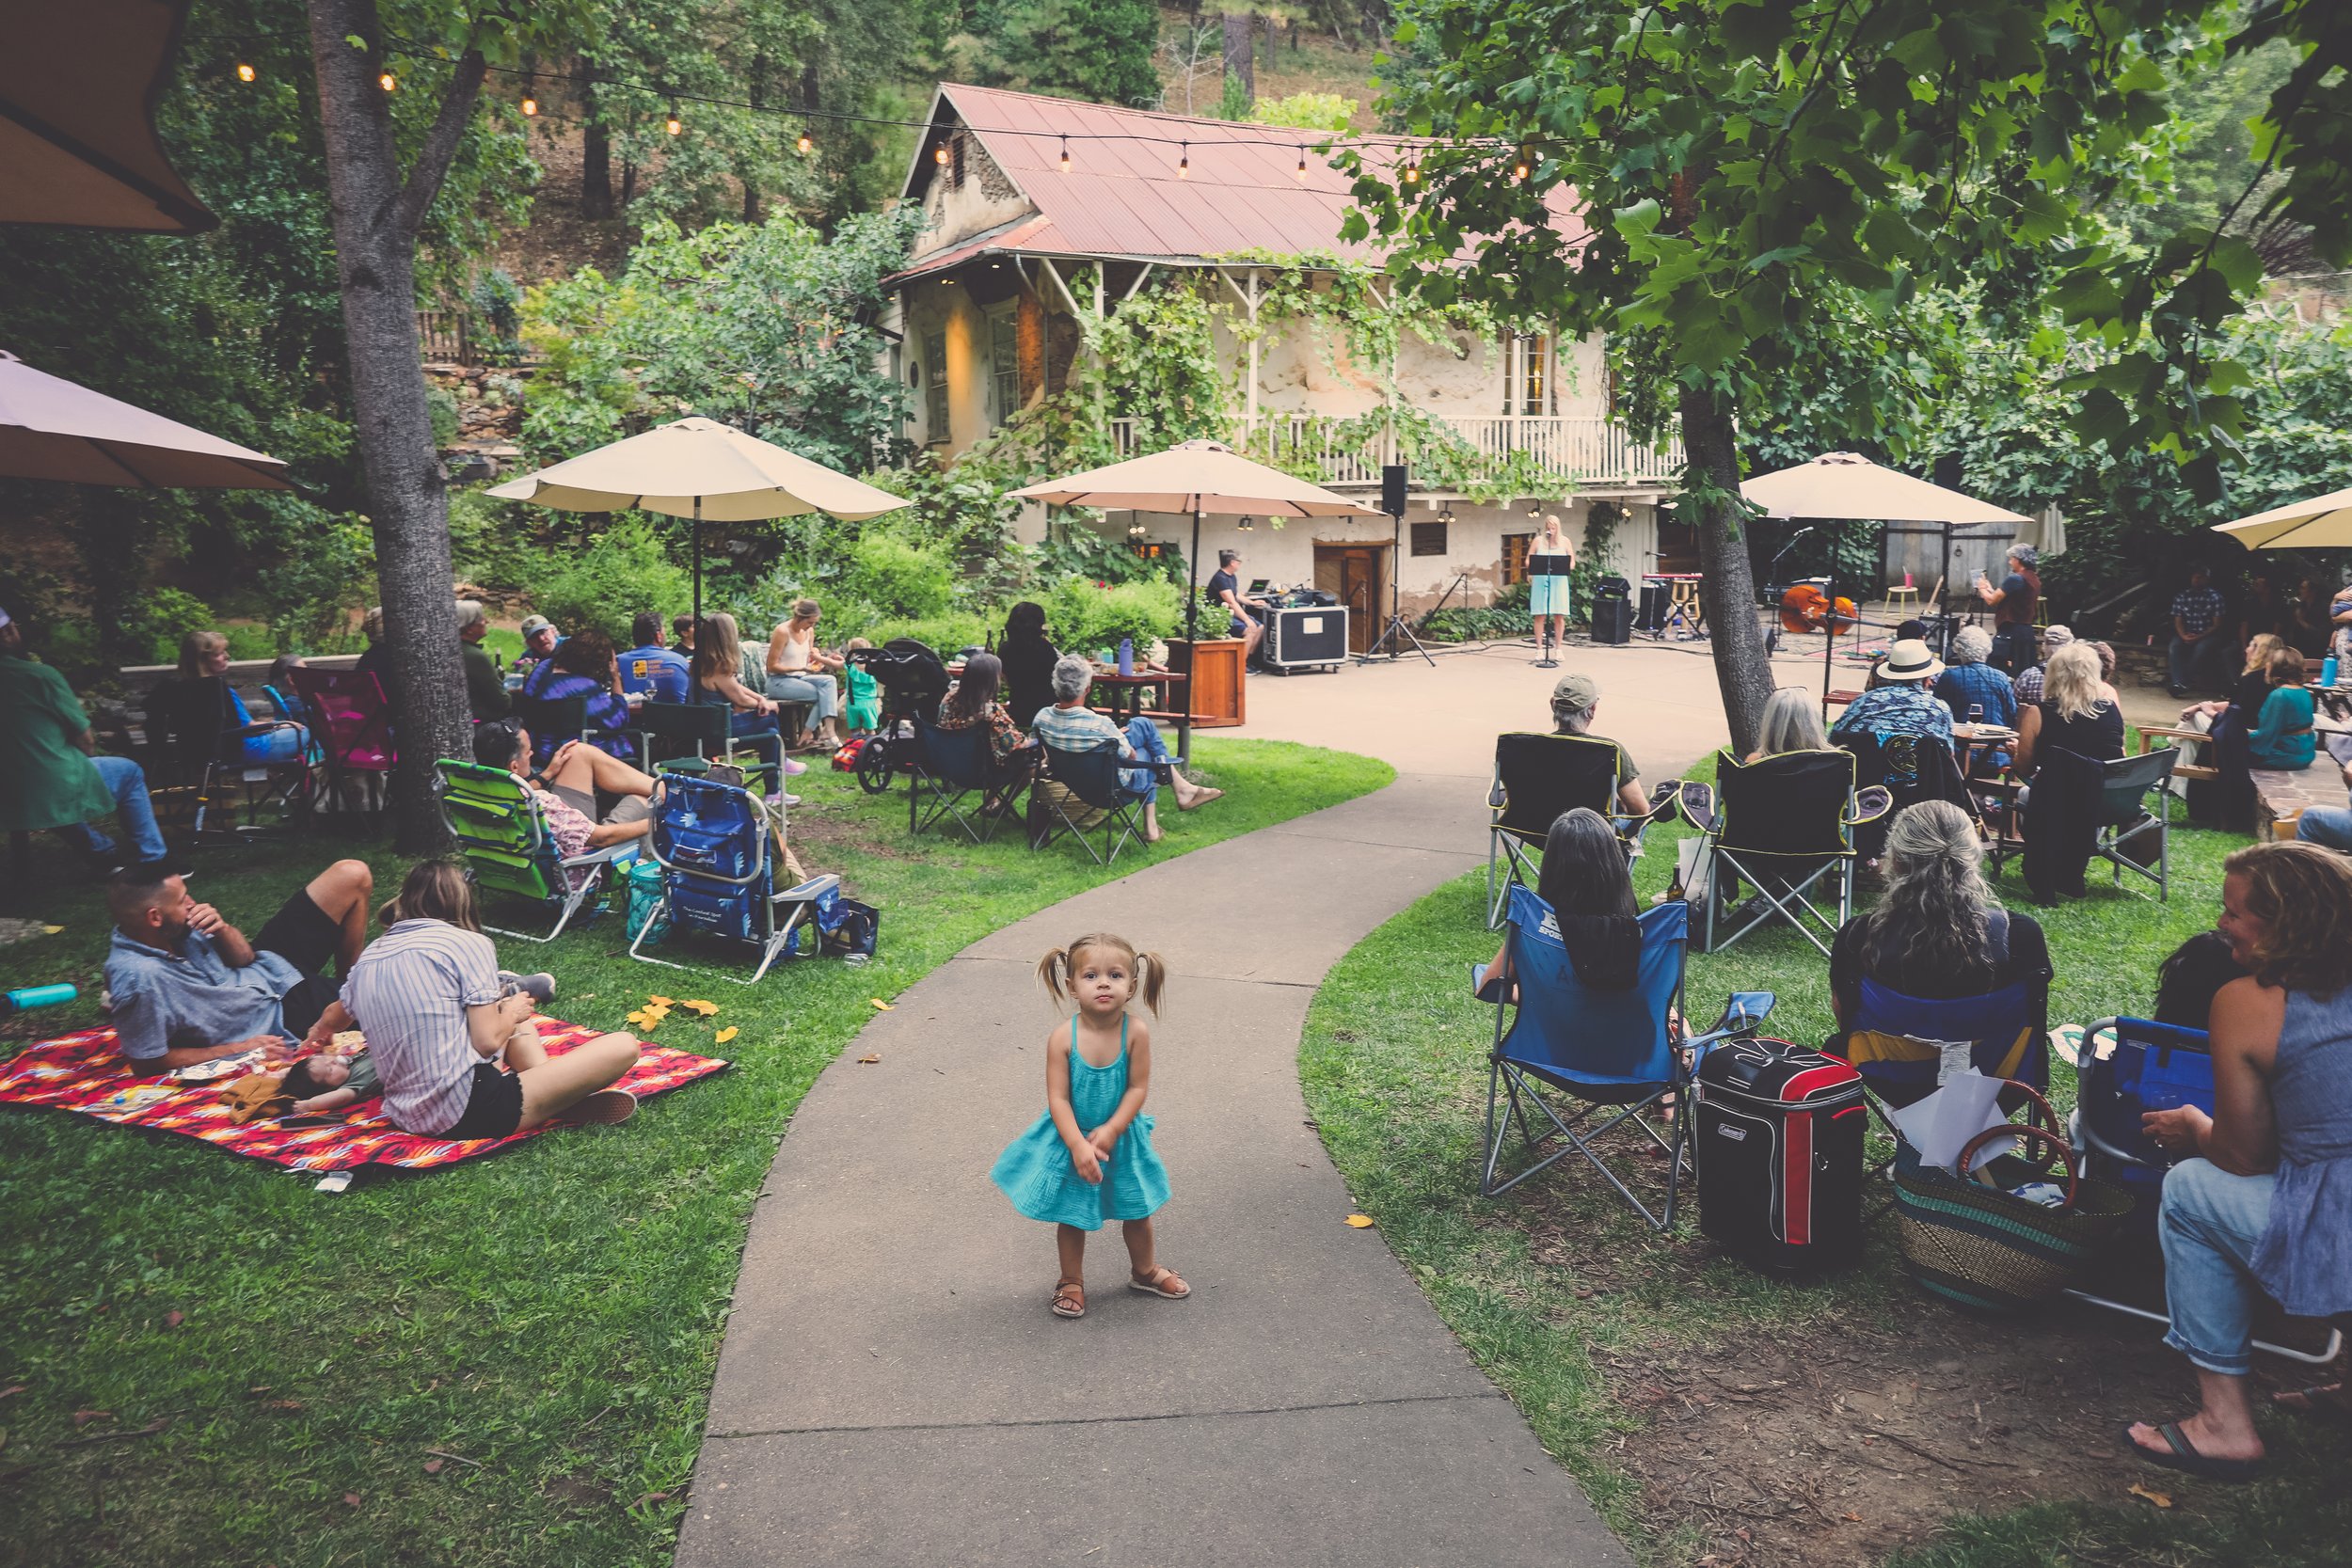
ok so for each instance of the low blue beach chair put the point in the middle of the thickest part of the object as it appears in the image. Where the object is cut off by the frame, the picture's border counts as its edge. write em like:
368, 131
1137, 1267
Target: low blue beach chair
2130, 1066
718, 847
1613, 1053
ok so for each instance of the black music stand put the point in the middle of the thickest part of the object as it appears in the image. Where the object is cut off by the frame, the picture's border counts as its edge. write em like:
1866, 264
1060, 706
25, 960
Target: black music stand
1547, 565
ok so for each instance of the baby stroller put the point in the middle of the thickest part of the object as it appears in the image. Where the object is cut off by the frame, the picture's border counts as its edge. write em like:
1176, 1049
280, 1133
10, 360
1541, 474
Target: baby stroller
913, 680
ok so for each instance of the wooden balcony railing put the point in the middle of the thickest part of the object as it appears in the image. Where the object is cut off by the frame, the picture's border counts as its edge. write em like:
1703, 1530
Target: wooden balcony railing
1588, 451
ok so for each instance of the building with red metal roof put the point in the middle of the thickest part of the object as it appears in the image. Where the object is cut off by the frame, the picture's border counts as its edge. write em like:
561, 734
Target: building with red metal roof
1042, 213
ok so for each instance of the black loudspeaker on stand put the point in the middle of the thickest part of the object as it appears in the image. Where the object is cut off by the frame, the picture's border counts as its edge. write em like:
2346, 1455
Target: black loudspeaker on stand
1396, 634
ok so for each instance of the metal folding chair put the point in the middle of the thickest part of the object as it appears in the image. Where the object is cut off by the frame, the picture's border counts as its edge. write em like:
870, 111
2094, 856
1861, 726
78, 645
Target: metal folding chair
1786, 824
1536, 778
1614, 1054
351, 723
953, 765
1091, 780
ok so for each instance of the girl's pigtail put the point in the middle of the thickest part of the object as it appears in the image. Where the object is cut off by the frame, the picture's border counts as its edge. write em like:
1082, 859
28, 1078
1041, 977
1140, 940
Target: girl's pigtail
1154, 978
1049, 971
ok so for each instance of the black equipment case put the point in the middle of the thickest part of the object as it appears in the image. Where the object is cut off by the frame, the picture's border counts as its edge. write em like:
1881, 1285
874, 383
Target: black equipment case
1305, 637
1779, 1150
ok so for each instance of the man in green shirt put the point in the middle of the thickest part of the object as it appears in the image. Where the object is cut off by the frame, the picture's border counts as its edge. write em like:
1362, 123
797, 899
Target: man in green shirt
51, 775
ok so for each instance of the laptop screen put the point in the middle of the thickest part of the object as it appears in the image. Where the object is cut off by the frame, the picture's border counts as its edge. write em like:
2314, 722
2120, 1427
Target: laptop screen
1257, 585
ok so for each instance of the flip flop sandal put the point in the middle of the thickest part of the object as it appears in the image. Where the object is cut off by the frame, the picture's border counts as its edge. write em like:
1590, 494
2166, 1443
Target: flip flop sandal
2185, 1457
1069, 1299
2322, 1399
1154, 1286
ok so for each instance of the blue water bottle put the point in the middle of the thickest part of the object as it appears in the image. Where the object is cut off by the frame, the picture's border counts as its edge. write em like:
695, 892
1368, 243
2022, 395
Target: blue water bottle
2327, 671
26, 998
1127, 655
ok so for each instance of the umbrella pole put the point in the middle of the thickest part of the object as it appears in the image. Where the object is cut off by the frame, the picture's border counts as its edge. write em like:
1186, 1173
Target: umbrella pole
1192, 638
698, 565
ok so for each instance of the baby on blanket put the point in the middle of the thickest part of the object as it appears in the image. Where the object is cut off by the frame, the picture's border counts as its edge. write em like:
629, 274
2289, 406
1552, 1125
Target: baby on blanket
341, 1075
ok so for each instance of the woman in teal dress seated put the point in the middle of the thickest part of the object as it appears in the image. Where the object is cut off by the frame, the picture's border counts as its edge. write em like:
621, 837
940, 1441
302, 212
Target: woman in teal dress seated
2282, 730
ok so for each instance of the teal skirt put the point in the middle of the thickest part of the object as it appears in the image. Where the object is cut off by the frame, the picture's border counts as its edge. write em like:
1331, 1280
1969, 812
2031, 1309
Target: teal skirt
1547, 596
1034, 1172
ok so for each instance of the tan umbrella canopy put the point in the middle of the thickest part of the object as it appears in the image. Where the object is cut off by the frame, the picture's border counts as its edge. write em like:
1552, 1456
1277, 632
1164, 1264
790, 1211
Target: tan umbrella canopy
1845, 486
2323, 523
701, 470
51, 428
1199, 477
79, 82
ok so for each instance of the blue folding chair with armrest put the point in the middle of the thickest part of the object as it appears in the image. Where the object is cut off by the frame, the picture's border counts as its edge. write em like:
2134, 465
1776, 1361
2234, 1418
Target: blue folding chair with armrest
1617, 1054
1078, 791
2130, 1066
716, 844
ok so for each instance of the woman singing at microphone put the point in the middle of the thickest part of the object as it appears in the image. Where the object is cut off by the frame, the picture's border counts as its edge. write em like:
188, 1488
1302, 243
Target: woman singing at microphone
1547, 594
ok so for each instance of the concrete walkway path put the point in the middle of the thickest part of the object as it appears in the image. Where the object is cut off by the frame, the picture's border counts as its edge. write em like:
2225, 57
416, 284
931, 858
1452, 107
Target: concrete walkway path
892, 1390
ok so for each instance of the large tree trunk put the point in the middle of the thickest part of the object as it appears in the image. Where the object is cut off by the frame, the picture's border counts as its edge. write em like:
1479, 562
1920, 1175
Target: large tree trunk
1241, 51
1743, 672
377, 217
595, 152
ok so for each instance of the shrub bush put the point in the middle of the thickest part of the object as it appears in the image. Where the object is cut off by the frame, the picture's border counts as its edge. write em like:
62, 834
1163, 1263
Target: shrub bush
946, 635
624, 571
1085, 616
895, 579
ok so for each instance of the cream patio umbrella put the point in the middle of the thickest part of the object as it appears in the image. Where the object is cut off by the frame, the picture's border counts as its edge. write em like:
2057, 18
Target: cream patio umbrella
1844, 486
2322, 523
78, 88
1199, 477
51, 428
701, 470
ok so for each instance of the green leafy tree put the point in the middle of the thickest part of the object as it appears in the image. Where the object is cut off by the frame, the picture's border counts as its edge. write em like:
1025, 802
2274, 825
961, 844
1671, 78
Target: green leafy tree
1099, 50
1309, 110
1761, 181
769, 329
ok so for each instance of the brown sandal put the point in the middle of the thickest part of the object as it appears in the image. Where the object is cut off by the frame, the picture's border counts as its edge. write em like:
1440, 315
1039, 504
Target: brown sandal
1069, 1299
1158, 1283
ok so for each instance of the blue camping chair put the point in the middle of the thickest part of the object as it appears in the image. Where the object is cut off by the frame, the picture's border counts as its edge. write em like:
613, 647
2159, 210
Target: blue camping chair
1079, 791
716, 844
2129, 1065
953, 765
1614, 1054
1893, 1040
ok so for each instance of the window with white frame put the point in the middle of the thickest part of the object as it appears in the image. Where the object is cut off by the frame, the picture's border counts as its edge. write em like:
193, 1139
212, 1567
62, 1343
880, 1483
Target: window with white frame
1004, 361
935, 385
1529, 373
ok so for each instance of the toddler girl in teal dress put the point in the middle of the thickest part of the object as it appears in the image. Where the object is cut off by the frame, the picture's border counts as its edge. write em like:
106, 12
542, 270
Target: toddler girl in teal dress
1089, 1158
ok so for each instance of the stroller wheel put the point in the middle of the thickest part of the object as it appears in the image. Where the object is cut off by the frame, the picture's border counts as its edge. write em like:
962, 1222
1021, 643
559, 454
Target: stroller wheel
873, 767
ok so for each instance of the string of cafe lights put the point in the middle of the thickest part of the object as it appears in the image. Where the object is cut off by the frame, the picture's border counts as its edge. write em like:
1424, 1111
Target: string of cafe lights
674, 121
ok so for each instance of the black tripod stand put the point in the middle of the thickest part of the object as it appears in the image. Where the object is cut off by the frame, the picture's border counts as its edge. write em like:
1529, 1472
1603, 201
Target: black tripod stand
1396, 633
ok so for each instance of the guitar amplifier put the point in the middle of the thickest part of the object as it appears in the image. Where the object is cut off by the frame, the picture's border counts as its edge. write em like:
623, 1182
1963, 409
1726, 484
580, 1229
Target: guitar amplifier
1612, 621
1304, 637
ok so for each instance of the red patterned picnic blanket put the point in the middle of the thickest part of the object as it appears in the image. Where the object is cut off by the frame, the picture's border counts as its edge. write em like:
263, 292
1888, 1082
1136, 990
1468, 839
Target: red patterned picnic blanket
82, 1072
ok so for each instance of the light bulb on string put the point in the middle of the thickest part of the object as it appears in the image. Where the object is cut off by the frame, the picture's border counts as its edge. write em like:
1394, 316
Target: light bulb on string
530, 99
386, 80
1520, 171
806, 144
1183, 161
1412, 172
1065, 154
244, 71
1302, 163
675, 126
939, 154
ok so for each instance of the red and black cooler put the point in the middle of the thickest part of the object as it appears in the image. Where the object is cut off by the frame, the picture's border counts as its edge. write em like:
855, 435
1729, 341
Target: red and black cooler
1779, 1149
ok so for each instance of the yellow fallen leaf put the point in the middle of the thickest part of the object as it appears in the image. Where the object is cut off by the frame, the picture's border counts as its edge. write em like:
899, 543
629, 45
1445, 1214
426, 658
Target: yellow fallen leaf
1360, 1221
52, 930
705, 1008
876, 1056
658, 1001
881, 1005
724, 1034
2162, 1499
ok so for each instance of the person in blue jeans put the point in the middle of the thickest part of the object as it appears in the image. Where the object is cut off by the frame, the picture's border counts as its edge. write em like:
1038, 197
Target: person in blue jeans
1073, 727
51, 774
2261, 1202
2330, 827
2200, 643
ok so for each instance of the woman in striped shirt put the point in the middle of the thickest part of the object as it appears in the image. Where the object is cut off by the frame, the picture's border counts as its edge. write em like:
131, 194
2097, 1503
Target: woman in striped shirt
438, 1016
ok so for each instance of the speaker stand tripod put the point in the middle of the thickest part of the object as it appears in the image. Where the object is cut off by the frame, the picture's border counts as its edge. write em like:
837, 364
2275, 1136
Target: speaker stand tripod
1396, 634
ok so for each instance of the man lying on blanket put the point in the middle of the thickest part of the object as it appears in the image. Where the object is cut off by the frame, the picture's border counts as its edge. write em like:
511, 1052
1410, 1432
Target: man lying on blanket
188, 986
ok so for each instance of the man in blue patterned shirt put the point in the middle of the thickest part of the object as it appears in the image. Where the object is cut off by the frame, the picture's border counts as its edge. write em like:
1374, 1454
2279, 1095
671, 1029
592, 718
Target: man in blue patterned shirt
1901, 705
2197, 639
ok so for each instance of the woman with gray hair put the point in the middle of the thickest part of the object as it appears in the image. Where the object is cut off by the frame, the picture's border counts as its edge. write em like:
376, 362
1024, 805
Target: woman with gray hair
1790, 723
1937, 933
485, 692
1070, 725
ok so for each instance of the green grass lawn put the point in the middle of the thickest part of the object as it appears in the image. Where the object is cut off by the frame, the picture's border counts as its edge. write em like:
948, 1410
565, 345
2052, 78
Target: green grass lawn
1557, 1288
551, 1314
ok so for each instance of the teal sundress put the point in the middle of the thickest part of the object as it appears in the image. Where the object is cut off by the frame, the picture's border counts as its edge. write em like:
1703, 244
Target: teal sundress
1035, 1170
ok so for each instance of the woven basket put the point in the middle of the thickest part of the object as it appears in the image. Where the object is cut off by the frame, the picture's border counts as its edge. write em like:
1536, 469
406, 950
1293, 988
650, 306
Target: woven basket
1989, 1249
